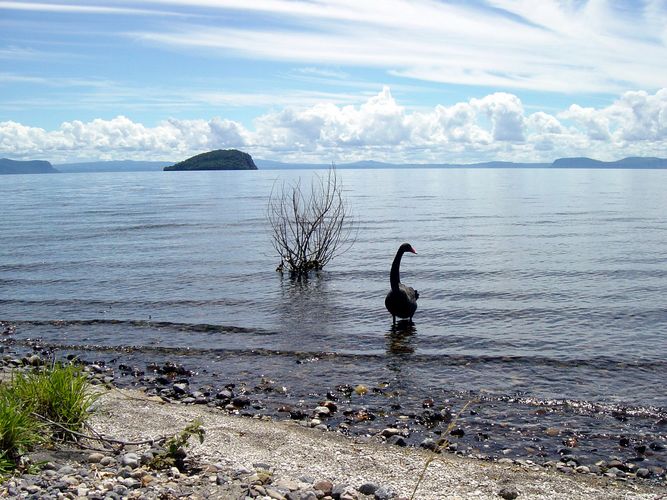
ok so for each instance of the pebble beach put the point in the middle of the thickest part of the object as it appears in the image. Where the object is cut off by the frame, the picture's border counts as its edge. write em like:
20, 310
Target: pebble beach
261, 457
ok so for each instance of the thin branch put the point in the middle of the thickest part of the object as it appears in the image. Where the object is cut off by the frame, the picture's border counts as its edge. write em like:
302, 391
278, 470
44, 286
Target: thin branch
99, 437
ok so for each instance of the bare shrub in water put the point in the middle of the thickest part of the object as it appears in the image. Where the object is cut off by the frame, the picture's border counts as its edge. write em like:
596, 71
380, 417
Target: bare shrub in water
310, 226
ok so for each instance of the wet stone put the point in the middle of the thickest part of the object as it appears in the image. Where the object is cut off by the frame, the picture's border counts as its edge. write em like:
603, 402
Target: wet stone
643, 473
180, 389
397, 440
429, 444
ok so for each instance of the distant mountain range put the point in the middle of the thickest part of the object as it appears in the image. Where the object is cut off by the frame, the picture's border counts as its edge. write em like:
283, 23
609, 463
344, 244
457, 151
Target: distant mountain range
580, 162
39, 166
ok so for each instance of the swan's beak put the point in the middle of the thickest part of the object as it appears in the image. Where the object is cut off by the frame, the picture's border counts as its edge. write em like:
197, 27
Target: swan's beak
413, 251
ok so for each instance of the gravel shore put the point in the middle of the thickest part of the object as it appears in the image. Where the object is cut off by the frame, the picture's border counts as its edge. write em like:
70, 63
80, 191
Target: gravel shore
259, 458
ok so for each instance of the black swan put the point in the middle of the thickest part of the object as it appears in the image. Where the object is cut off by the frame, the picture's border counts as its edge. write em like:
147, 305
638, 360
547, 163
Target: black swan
401, 301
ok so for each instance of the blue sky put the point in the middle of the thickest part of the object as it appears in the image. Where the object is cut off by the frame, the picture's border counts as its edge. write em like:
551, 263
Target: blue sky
333, 80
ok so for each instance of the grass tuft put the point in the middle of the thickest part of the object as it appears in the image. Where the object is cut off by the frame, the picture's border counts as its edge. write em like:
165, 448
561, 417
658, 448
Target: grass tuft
60, 395
19, 431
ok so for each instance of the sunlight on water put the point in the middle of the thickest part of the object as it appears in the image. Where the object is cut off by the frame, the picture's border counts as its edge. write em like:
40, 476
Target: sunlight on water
528, 278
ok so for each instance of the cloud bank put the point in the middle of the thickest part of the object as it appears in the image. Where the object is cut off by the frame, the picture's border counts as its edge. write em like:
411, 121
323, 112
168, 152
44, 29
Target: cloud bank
494, 127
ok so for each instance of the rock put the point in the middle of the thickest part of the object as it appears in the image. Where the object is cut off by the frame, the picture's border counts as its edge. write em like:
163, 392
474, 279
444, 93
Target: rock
384, 493
66, 470
95, 458
225, 394
508, 493
324, 486
392, 431
643, 473
322, 411
458, 432
332, 406
429, 444
130, 483
180, 389
360, 390
367, 488
656, 446
616, 464
131, 460
286, 484
275, 494
241, 401
397, 440
339, 489
33, 360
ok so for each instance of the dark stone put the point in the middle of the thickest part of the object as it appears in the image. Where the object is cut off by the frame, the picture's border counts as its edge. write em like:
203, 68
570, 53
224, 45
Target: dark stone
508, 493
338, 490
624, 441
397, 440
458, 432
368, 488
180, 389
225, 394
656, 446
241, 401
429, 444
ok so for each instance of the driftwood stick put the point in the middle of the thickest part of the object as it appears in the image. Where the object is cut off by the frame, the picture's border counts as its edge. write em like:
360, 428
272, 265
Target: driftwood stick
99, 437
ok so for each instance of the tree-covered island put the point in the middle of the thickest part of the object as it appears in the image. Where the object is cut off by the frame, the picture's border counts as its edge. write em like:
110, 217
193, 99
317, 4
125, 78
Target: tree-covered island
220, 159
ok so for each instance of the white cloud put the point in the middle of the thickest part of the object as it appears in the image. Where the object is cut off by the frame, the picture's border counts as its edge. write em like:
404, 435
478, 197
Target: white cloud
77, 9
589, 46
492, 127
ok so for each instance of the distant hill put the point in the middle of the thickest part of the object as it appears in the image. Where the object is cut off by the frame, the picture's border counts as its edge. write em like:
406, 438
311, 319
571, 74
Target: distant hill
220, 159
236, 160
371, 164
114, 166
8, 166
631, 162
580, 162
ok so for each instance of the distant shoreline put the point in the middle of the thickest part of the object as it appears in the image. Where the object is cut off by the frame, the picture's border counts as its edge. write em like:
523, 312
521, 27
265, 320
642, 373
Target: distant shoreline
580, 163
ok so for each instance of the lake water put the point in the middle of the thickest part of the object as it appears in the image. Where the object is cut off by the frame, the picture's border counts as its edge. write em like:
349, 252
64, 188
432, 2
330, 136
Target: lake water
535, 284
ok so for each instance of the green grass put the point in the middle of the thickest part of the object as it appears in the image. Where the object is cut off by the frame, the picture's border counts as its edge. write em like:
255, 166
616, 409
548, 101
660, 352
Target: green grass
41, 405
19, 430
60, 394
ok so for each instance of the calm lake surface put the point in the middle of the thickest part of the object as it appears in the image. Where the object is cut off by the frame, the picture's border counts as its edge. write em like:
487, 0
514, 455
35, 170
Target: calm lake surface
534, 284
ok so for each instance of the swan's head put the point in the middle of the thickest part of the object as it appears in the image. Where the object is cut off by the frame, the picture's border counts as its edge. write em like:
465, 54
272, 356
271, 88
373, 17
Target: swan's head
407, 247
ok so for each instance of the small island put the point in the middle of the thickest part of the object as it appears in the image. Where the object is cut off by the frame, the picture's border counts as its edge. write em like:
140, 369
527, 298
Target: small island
220, 159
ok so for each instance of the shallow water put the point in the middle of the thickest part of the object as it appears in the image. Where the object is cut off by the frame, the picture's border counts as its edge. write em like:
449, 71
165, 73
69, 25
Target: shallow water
535, 285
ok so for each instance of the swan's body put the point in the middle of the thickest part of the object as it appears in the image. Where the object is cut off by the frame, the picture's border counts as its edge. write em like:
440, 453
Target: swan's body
401, 301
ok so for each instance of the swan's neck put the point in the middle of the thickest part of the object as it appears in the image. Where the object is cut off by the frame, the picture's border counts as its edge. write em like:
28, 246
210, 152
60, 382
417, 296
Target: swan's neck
394, 276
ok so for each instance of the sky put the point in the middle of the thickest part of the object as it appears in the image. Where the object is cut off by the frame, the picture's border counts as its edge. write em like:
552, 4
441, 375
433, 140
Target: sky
419, 81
